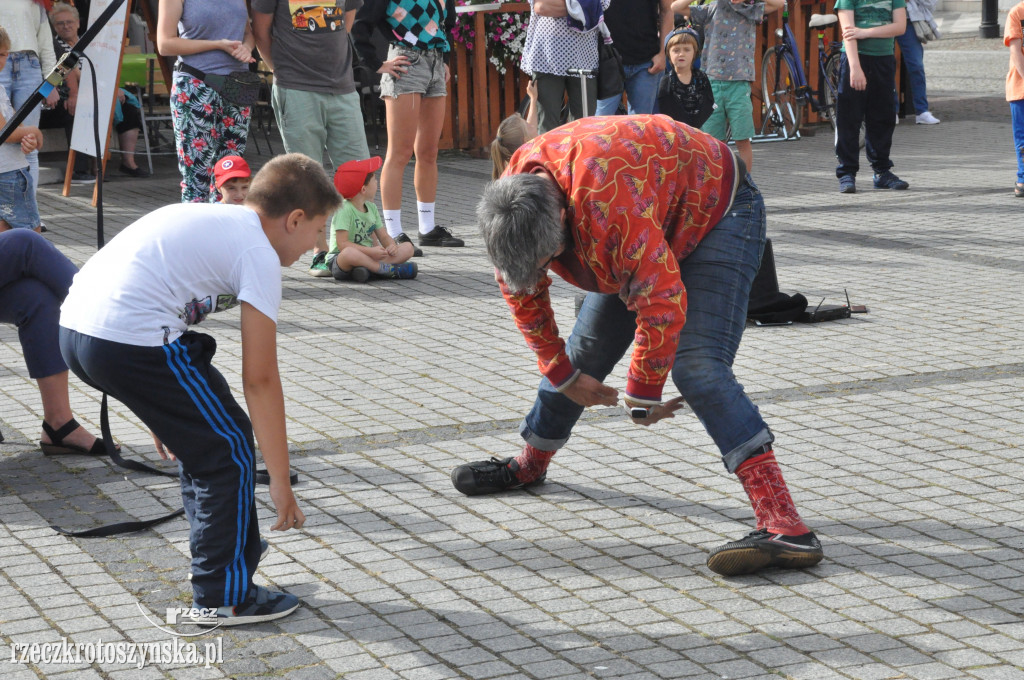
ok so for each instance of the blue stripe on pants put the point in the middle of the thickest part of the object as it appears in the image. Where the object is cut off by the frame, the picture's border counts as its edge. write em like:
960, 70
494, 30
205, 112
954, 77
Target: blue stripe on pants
216, 416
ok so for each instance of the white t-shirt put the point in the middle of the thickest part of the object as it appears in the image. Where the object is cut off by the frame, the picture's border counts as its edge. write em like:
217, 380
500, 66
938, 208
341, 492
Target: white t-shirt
169, 270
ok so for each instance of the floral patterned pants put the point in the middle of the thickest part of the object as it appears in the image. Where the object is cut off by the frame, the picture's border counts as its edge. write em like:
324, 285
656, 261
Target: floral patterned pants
206, 128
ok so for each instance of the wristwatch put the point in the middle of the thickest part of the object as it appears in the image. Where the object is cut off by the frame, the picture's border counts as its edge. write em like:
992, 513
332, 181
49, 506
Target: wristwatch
639, 412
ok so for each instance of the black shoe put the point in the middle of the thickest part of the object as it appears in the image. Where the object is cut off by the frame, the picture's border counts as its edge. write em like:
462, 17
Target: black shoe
887, 180
489, 476
402, 238
83, 178
760, 549
134, 172
847, 184
439, 236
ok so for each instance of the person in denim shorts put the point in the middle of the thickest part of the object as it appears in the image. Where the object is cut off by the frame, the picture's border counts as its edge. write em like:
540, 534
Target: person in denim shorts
18, 208
413, 86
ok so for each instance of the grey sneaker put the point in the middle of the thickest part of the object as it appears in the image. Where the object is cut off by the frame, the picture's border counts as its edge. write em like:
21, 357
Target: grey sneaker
847, 184
262, 604
888, 180
760, 549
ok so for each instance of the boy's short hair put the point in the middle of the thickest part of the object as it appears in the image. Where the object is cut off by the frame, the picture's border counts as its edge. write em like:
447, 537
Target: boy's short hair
683, 36
351, 177
290, 182
5, 40
230, 167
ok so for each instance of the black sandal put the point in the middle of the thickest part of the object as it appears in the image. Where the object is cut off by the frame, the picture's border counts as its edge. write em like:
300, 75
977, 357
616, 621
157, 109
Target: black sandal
57, 447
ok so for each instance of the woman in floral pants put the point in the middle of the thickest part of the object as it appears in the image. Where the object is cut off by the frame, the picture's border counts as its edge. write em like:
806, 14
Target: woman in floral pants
215, 39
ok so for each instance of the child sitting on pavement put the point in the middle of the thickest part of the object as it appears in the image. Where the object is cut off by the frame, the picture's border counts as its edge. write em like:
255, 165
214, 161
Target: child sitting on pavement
360, 247
685, 92
730, 28
232, 176
18, 209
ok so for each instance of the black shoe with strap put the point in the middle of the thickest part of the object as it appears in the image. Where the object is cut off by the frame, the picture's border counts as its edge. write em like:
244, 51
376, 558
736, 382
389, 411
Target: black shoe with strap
490, 476
440, 236
58, 447
761, 548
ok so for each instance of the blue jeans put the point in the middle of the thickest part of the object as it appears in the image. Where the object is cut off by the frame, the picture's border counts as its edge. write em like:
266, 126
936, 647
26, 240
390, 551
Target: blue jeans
1017, 120
641, 92
717, 275
913, 58
20, 77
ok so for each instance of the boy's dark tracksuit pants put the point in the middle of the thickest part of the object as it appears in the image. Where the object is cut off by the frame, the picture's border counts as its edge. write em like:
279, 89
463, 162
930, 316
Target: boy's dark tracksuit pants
186, 402
875, 106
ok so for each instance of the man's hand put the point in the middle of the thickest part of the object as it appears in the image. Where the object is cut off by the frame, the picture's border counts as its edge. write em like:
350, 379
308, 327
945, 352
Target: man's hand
288, 514
589, 391
657, 64
53, 98
164, 452
656, 413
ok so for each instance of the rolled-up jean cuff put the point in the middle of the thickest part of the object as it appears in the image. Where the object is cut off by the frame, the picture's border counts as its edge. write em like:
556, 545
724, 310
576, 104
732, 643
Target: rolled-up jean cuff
540, 442
751, 447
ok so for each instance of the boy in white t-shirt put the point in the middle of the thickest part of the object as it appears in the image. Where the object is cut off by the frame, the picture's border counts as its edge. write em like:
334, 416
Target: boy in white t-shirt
124, 330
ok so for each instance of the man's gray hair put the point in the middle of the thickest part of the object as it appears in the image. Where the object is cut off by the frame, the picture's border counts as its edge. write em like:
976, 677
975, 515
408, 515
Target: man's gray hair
61, 7
521, 222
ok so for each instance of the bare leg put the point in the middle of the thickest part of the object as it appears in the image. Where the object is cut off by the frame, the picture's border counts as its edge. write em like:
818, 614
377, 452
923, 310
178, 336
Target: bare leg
746, 151
428, 134
402, 112
57, 409
128, 141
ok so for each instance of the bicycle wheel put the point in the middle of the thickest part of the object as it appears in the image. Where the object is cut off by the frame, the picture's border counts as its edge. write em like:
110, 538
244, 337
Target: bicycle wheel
778, 87
830, 88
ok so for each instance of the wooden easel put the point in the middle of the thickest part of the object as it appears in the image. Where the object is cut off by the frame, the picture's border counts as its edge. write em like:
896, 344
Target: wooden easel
110, 124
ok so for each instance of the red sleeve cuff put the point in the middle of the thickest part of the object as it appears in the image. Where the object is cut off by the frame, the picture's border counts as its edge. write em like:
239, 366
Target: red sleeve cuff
643, 392
560, 373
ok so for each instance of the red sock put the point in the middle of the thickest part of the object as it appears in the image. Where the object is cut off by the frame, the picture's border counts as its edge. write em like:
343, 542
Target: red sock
773, 506
532, 463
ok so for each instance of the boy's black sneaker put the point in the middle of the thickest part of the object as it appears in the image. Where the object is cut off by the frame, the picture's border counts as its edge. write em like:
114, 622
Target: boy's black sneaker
490, 476
416, 250
888, 180
847, 184
439, 236
262, 604
761, 548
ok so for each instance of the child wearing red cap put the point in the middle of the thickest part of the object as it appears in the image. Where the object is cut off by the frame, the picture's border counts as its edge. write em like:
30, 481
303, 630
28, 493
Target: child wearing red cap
359, 246
232, 176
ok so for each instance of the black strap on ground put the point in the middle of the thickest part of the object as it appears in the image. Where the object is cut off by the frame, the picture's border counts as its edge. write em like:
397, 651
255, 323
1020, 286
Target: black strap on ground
262, 477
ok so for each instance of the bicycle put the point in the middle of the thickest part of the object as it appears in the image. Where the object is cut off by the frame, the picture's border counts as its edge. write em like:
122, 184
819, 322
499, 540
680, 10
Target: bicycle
784, 86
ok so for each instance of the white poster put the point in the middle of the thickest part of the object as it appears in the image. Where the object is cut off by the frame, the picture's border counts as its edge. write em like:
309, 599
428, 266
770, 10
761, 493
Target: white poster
105, 53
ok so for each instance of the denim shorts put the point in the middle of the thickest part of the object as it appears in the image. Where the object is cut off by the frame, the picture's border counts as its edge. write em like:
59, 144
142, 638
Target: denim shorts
425, 74
733, 99
18, 199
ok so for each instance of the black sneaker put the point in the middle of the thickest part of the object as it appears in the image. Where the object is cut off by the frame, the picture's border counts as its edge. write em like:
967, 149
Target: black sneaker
489, 476
888, 180
402, 238
847, 184
760, 549
261, 605
83, 178
439, 236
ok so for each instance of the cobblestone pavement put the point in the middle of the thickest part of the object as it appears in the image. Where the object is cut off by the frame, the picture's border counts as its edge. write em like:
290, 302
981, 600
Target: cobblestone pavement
899, 431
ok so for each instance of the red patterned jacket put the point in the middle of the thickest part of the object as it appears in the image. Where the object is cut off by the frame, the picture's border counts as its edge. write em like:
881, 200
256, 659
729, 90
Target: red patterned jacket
642, 191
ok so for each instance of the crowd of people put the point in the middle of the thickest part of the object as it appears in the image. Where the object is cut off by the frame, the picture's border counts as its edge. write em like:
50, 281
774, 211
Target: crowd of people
671, 279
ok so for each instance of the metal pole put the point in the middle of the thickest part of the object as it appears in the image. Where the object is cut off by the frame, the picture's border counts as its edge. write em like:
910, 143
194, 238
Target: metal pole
989, 27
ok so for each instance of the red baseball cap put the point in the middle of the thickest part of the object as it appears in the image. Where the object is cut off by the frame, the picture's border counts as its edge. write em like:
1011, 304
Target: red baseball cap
350, 177
230, 167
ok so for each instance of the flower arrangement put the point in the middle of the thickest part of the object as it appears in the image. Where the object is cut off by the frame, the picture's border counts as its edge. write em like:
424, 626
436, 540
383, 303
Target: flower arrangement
505, 34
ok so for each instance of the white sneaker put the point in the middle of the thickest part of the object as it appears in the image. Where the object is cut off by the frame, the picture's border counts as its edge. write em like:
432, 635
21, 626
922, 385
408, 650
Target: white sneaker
927, 118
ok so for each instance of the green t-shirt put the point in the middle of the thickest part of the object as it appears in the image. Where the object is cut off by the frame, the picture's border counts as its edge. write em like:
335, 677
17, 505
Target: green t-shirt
359, 225
868, 14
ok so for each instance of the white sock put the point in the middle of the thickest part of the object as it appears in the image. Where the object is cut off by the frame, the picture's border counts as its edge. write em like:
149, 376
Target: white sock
426, 211
392, 222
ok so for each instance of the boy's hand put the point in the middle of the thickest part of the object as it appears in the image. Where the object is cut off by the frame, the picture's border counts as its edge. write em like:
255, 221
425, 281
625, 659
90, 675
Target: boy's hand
288, 514
853, 33
857, 79
378, 252
392, 249
164, 452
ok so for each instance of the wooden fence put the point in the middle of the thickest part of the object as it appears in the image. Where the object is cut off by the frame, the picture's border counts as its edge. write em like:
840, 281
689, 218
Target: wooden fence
479, 97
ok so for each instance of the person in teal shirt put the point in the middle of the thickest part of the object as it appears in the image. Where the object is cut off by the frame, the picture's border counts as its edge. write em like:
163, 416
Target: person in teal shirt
867, 85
